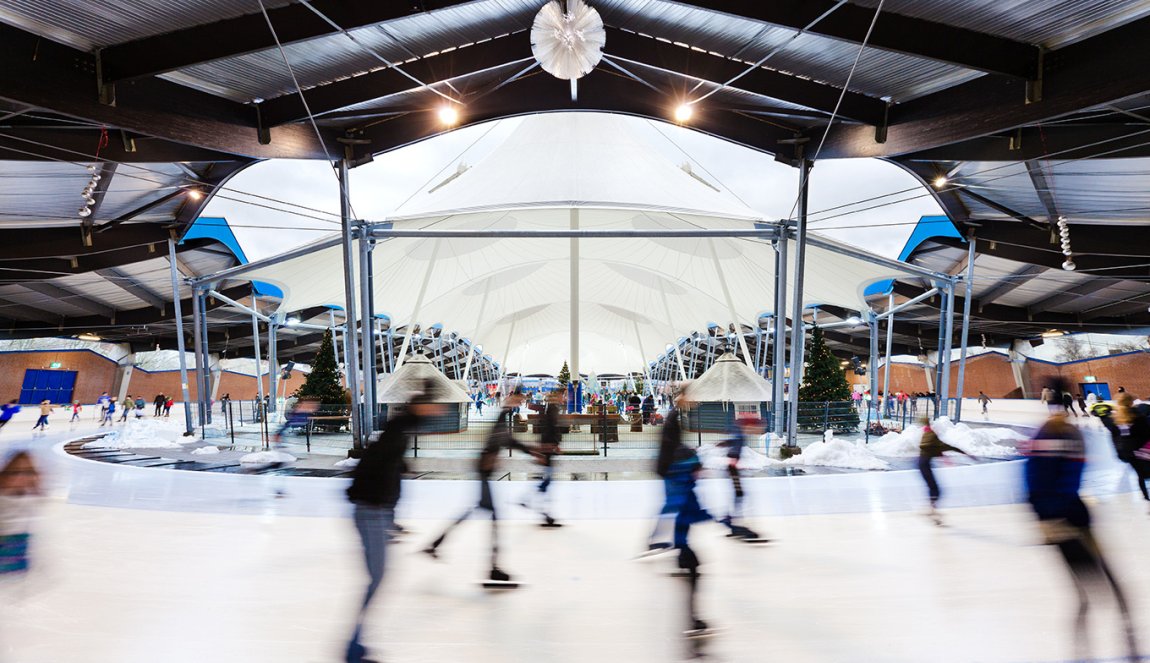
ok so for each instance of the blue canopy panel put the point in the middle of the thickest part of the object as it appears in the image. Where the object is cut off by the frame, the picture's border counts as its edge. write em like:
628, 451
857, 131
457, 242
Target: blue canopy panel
217, 228
927, 228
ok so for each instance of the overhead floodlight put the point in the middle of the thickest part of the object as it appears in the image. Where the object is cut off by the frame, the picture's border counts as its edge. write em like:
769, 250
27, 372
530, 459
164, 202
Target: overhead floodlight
195, 194
683, 113
88, 337
940, 181
448, 116
1053, 333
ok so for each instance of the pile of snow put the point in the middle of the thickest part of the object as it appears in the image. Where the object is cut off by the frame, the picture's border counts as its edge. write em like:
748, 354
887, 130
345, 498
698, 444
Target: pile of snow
141, 434
898, 445
978, 441
347, 462
838, 453
261, 457
205, 451
715, 458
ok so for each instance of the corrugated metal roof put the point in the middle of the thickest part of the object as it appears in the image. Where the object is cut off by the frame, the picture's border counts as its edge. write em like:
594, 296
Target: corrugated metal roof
91, 24
1050, 23
263, 75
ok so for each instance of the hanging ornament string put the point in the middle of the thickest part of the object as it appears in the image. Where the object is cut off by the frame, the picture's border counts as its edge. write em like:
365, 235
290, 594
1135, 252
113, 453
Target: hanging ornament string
89, 191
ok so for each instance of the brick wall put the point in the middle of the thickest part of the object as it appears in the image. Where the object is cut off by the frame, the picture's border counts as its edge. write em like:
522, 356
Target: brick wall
1130, 370
95, 373
990, 373
903, 377
241, 387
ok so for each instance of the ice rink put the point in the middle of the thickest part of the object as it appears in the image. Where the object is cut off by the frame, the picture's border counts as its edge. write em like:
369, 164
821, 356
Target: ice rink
137, 565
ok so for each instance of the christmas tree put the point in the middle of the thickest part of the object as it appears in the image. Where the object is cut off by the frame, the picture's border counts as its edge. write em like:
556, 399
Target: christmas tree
825, 395
823, 379
323, 383
564, 375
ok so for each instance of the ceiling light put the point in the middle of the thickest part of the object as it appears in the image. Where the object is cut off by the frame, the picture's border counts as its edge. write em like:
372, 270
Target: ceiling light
195, 194
88, 337
448, 116
854, 320
1053, 333
683, 113
940, 181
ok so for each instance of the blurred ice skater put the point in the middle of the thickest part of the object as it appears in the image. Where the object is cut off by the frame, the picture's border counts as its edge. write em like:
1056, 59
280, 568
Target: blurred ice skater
375, 491
1055, 458
549, 441
499, 439
7, 411
45, 410
19, 485
929, 448
734, 445
1130, 432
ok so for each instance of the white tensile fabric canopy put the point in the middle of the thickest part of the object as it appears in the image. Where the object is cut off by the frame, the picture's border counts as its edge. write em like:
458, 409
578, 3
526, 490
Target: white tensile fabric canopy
513, 296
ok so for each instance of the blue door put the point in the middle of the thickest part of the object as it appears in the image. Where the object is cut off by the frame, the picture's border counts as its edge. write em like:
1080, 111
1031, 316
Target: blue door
41, 384
1101, 390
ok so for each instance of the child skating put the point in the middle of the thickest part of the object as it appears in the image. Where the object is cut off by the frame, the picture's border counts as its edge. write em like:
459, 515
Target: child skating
45, 410
76, 410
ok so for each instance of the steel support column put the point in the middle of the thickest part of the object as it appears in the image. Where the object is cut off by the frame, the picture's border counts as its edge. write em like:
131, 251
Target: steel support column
778, 365
889, 344
872, 361
948, 341
797, 304
351, 342
273, 366
177, 310
366, 336
197, 346
965, 329
257, 356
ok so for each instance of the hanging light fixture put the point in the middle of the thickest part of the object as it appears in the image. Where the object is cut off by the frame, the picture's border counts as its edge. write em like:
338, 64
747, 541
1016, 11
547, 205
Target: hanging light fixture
568, 42
683, 113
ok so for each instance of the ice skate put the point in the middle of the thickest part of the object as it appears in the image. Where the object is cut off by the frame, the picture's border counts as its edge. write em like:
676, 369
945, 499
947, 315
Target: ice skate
499, 580
550, 523
654, 550
699, 629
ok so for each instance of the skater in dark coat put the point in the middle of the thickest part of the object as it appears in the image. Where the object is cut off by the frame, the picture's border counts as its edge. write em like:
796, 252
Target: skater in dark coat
670, 439
375, 491
499, 440
929, 448
1130, 431
1055, 458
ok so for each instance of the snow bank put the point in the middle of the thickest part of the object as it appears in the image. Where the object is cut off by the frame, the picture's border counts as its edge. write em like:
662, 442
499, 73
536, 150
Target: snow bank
978, 441
715, 458
141, 434
260, 457
898, 445
838, 453
347, 462
205, 451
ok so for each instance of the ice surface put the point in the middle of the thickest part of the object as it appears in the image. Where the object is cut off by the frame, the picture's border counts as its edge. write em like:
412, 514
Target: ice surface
267, 457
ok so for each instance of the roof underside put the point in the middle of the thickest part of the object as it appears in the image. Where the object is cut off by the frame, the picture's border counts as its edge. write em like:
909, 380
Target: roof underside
1016, 103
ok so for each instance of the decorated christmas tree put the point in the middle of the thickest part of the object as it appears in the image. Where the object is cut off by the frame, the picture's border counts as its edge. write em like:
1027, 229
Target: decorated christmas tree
823, 379
564, 376
323, 383
825, 395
